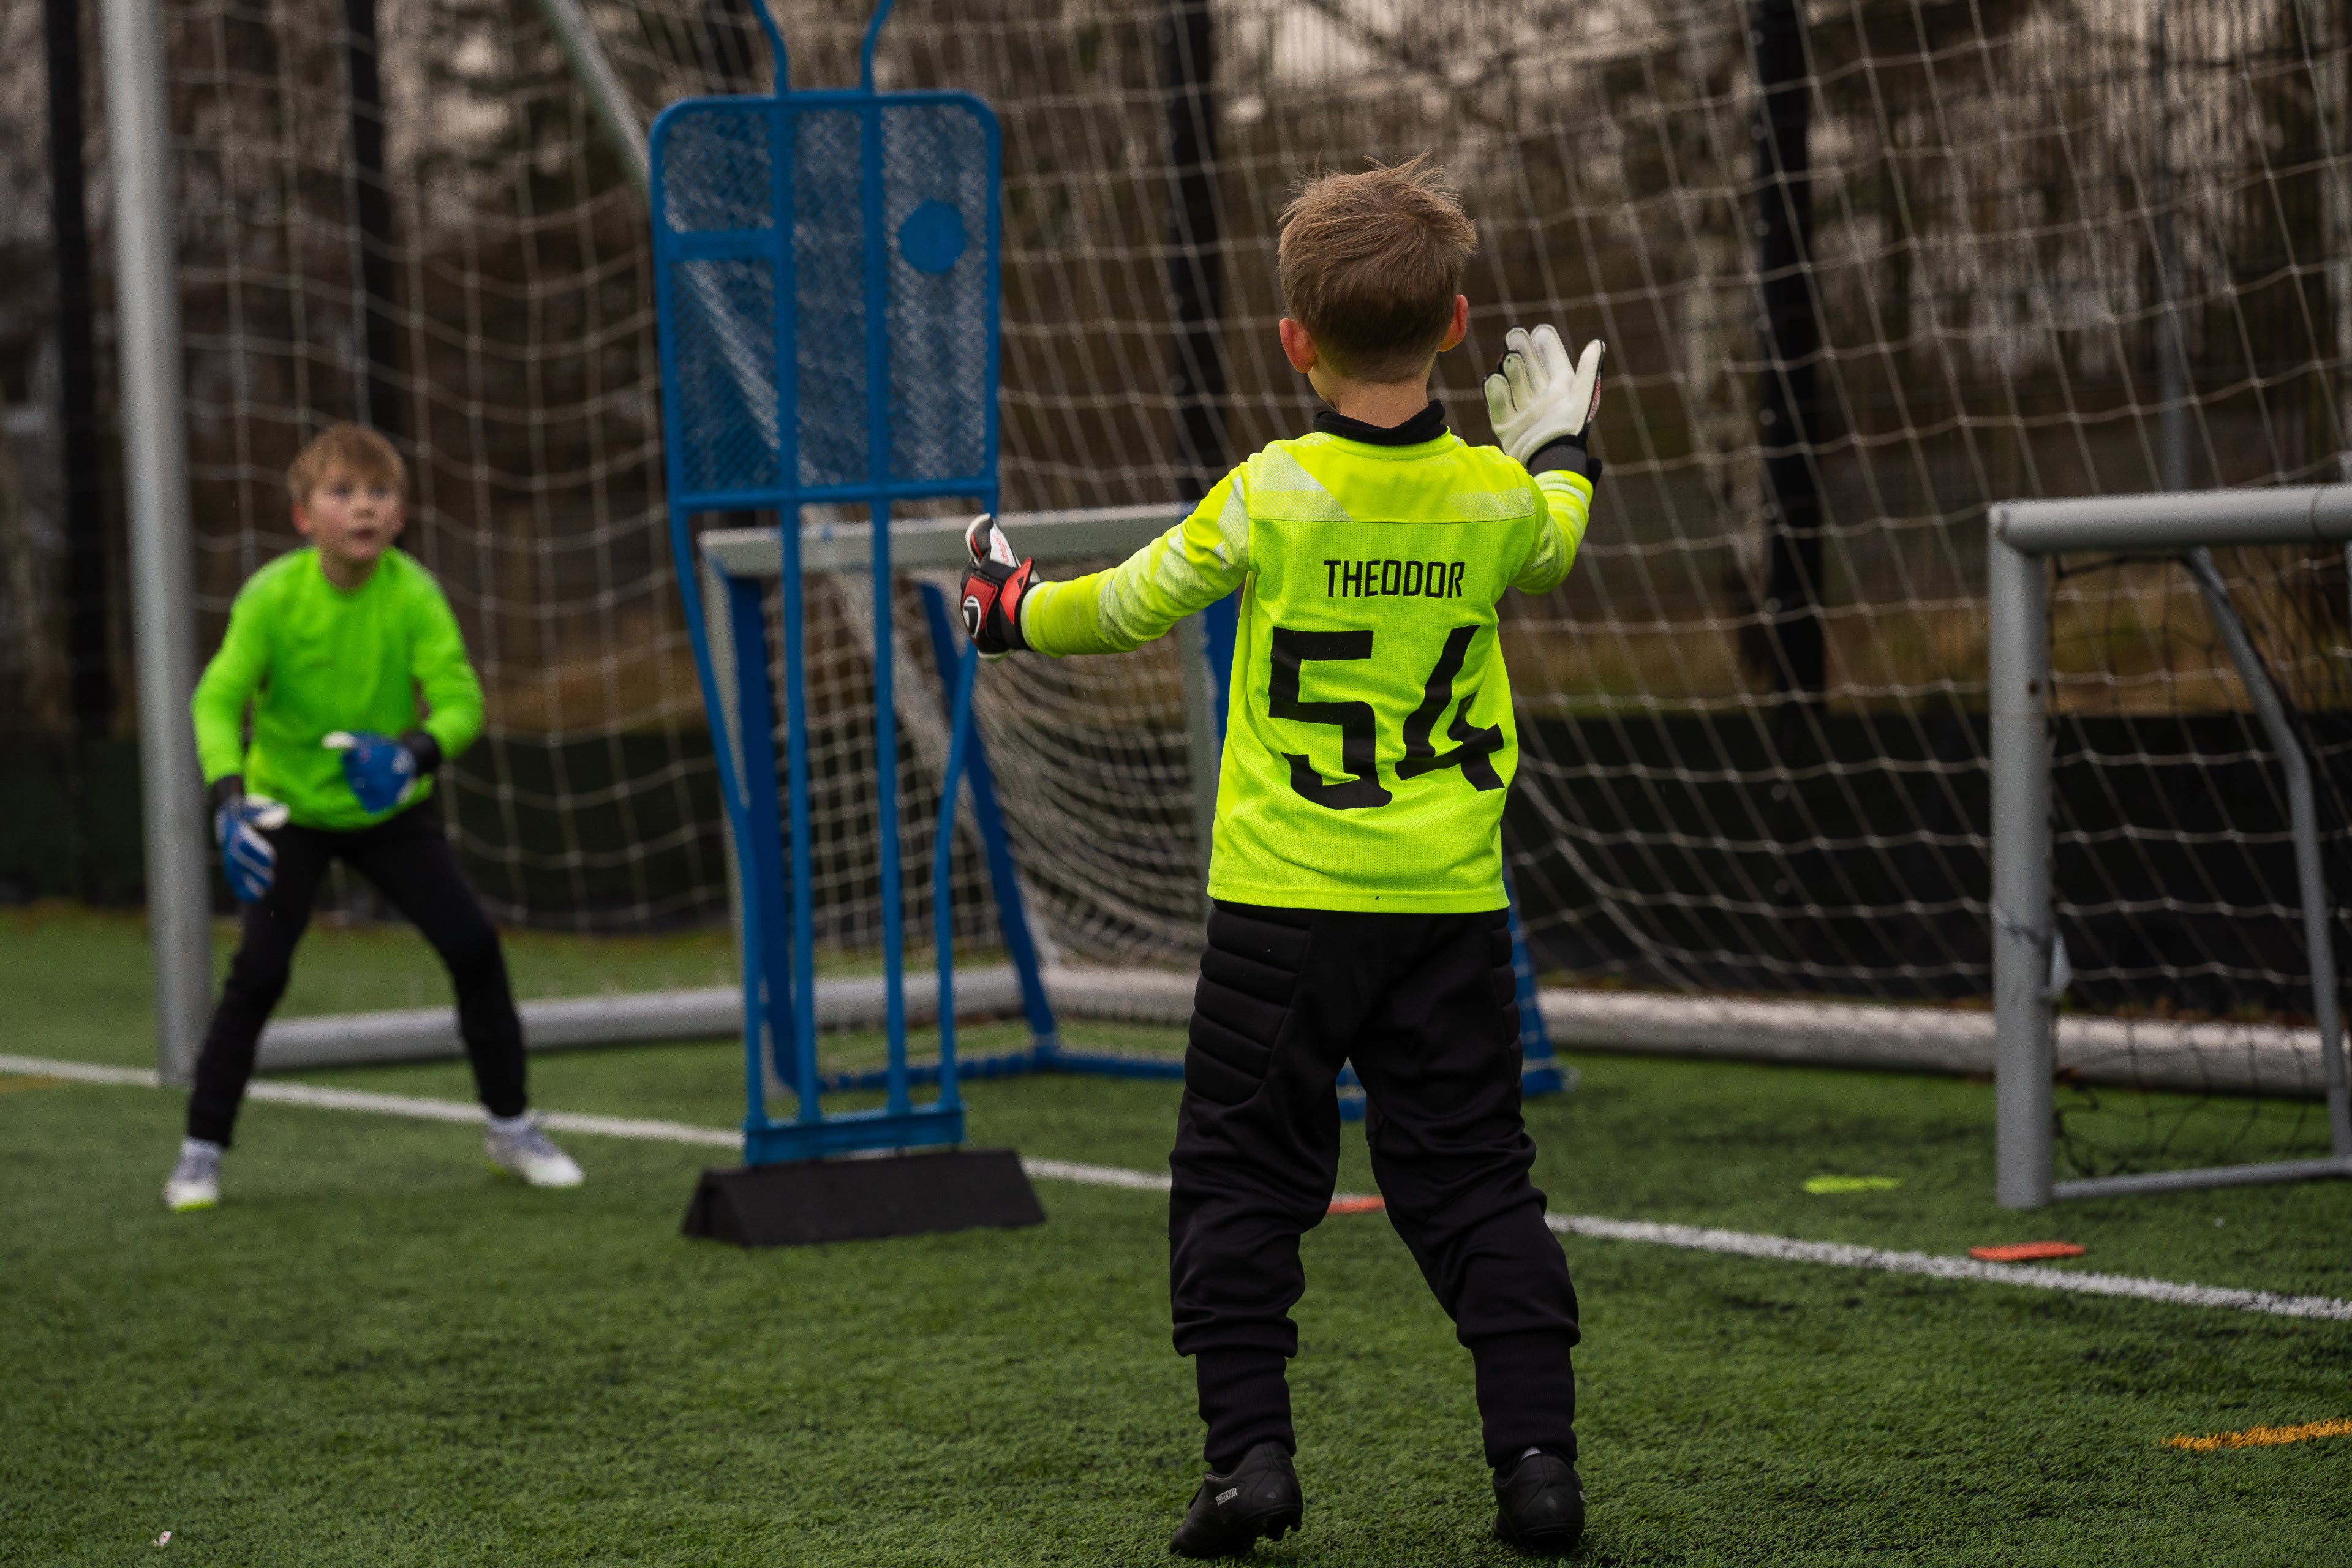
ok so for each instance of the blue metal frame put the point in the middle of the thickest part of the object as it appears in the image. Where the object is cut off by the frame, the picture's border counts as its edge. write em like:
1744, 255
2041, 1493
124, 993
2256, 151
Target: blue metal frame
779, 938
1539, 1070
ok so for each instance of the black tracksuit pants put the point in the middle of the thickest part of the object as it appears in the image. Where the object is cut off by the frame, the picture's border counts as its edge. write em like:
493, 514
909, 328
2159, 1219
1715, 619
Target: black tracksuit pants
409, 860
1424, 1007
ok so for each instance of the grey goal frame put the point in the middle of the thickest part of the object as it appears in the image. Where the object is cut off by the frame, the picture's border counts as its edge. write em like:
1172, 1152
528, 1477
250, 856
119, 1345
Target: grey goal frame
2183, 525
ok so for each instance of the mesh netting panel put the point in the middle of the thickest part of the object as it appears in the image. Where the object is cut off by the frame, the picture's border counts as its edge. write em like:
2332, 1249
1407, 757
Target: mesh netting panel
1089, 756
1090, 766
726, 398
829, 293
935, 197
2175, 858
843, 775
716, 174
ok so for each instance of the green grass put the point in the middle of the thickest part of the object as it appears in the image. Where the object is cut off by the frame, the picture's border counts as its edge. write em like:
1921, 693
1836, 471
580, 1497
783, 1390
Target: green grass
374, 1354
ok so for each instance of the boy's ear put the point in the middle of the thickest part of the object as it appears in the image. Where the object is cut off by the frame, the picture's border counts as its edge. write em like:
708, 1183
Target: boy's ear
302, 518
1297, 346
1461, 327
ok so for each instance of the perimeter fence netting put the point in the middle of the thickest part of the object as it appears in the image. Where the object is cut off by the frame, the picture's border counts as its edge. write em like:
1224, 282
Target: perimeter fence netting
2034, 248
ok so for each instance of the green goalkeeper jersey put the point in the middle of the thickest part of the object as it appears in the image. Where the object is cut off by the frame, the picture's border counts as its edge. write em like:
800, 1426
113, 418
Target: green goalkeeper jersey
1369, 739
311, 659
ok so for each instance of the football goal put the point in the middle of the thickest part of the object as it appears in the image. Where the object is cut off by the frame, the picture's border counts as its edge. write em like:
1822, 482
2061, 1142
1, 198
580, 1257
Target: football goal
2271, 886
1864, 271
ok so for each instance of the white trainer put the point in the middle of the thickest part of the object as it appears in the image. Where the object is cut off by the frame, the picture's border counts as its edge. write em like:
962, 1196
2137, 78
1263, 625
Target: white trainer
520, 1148
194, 1182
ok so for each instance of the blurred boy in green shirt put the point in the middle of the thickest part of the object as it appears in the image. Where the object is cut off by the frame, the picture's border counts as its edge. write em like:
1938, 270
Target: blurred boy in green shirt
329, 647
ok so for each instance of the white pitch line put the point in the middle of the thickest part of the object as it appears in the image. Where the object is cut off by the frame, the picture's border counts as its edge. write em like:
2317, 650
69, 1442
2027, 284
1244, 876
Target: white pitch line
1840, 1255
78, 1072
1098, 1176
460, 1110
1738, 1243
414, 1106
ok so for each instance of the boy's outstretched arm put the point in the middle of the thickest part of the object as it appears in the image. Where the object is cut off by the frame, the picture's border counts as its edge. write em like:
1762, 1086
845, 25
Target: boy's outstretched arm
228, 684
1542, 407
1568, 508
1186, 569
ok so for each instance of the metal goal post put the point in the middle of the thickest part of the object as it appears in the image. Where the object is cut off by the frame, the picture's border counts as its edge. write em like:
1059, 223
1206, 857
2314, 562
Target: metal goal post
2185, 525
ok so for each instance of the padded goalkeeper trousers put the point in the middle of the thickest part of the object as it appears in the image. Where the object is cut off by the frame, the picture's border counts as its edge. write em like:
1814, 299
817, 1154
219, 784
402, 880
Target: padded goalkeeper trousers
409, 860
1424, 1007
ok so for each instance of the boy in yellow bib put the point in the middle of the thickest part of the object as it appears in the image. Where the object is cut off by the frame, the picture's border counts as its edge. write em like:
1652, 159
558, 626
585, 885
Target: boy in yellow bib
1357, 876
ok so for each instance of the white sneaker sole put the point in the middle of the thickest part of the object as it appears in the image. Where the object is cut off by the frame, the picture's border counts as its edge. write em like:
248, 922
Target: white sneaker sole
571, 1178
191, 1201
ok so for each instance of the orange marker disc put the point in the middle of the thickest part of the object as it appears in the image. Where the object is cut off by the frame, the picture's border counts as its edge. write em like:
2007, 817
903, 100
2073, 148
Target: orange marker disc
2027, 1251
1358, 1205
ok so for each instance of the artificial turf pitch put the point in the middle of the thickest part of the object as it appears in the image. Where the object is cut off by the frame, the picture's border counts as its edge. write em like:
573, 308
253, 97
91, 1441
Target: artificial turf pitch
373, 1352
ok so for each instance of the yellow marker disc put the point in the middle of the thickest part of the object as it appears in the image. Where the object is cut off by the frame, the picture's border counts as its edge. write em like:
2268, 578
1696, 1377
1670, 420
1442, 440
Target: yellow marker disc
1852, 1184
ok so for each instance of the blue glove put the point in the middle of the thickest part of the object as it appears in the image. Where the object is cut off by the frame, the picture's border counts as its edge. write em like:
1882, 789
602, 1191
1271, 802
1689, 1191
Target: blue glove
381, 771
247, 859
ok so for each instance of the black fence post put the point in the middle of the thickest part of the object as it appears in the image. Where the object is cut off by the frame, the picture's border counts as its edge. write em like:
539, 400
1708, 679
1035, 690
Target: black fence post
732, 39
89, 650
371, 201
1790, 336
1195, 266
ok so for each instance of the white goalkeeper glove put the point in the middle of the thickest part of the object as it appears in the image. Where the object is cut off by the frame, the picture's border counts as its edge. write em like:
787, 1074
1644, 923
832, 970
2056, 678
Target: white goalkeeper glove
1538, 400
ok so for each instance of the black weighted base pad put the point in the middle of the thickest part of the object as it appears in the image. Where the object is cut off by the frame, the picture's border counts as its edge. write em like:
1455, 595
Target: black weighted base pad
855, 1200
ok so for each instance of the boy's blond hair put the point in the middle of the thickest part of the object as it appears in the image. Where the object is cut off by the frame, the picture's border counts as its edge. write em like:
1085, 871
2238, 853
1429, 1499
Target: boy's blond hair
354, 448
1370, 263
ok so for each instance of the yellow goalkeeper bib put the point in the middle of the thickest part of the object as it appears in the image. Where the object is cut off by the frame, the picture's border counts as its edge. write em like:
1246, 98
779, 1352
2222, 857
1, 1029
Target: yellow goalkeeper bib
1369, 739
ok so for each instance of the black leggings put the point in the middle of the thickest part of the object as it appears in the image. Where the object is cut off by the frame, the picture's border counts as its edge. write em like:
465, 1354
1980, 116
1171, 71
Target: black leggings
409, 860
1425, 1007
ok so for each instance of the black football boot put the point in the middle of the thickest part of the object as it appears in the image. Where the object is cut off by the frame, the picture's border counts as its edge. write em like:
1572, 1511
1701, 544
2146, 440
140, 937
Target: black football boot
1259, 1497
1539, 1504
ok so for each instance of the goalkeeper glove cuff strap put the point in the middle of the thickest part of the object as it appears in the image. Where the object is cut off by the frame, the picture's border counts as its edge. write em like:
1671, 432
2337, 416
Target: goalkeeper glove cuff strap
424, 749
1568, 455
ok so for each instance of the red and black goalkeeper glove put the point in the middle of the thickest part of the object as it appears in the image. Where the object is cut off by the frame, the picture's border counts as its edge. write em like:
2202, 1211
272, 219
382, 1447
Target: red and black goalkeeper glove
992, 590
